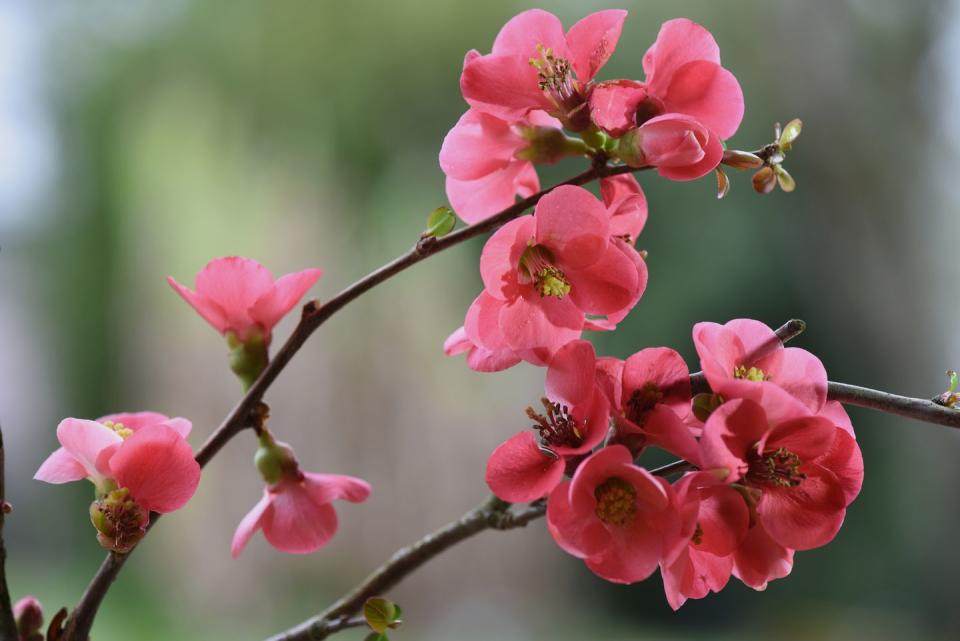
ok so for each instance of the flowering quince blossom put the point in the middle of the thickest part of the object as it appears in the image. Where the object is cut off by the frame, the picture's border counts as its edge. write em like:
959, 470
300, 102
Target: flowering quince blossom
617, 517
489, 161
744, 357
526, 466
296, 512
534, 65
683, 76
543, 274
680, 147
146, 466
800, 471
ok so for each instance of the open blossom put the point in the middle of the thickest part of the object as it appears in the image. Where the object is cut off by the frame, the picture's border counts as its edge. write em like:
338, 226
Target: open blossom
239, 296
489, 162
627, 205
801, 470
535, 65
680, 147
147, 467
683, 76
296, 512
544, 273
528, 466
615, 516
743, 357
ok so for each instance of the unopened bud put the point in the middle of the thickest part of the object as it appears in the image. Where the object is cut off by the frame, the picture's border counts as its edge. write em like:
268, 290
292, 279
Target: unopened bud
789, 134
764, 181
29, 616
628, 149
741, 159
275, 460
247, 358
440, 222
723, 183
119, 520
549, 144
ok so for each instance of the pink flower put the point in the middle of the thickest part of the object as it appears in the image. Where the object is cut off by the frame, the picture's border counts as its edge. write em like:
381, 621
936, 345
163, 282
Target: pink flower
297, 516
527, 467
759, 559
745, 356
543, 274
489, 162
715, 521
534, 65
627, 206
653, 402
683, 76
135, 472
803, 470
615, 516
296, 512
680, 147
479, 358
238, 296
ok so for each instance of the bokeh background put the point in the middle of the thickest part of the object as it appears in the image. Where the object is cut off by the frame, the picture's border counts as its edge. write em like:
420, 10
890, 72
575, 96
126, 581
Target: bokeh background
141, 138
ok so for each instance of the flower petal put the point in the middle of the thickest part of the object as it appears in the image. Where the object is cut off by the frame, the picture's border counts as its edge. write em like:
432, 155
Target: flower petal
60, 467
518, 472
500, 258
592, 40
296, 523
282, 297
252, 522
806, 516
574, 225
85, 441
709, 93
325, 488
158, 467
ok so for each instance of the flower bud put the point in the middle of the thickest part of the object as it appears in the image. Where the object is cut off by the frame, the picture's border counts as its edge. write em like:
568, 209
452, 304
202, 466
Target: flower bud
548, 145
275, 460
741, 159
29, 616
704, 405
247, 358
119, 520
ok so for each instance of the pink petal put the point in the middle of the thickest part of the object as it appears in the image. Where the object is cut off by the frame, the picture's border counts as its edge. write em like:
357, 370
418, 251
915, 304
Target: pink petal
574, 225
614, 104
284, 296
627, 205
134, 420
720, 351
483, 360
476, 200
802, 375
60, 467
845, 460
296, 523
209, 310
730, 432
806, 516
235, 284
482, 323
723, 519
85, 441
500, 258
633, 555
592, 40
519, 472
808, 437
609, 372
478, 145
504, 86
762, 348
542, 325
666, 369
760, 559
680, 41
709, 93
570, 374
680, 147
664, 429
158, 467
523, 32
325, 488
457, 343
252, 522
834, 411
610, 286
577, 533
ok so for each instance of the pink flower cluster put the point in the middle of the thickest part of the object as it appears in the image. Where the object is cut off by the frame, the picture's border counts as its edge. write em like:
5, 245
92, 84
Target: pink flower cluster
539, 80
773, 464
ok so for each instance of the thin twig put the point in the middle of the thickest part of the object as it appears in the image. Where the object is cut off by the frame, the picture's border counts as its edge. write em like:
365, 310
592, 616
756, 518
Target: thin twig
313, 316
916, 408
8, 624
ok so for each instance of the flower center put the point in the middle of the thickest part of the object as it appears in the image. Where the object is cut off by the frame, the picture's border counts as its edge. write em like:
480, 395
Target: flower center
122, 432
777, 468
649, 108
555, 78
642, 401
536, 266
697, 537
120, 521
751, 374
557, 427
616, 502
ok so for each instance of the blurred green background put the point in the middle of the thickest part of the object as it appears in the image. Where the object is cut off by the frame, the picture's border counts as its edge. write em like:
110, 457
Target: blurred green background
142, 138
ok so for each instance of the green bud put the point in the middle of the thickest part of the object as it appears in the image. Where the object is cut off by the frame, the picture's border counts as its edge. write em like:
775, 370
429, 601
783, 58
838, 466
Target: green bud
705, 404
381, 615
790, 133
787, 183
440, 222
248, 358
549, 144
628, 149
274, 460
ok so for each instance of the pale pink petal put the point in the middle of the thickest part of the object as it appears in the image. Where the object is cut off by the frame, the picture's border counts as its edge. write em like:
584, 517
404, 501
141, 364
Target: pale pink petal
518, 472
664, 429
457, 343
762, 348
802, 375
574, 225
720, 351
614, 104
209, 310
633, 555
60, 467
482, 323
627, 205
504, 86
284, 296
483, 360
134, 420
709, 93
500, 258
542, 325
834, 411
234, 283
249, 525
156, 464
85, 441
476, 200
592, 40
523, 32
296, 523
478, 145
610, 286
325, 488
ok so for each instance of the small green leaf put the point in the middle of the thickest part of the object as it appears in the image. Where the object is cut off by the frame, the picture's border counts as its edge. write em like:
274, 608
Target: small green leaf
440, 222
954, 381
381, 614
376, 636
790, 133
787, 183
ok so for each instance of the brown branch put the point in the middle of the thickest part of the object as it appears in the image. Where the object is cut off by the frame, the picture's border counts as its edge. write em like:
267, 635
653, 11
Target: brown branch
314, 315
8, 624
919, 409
